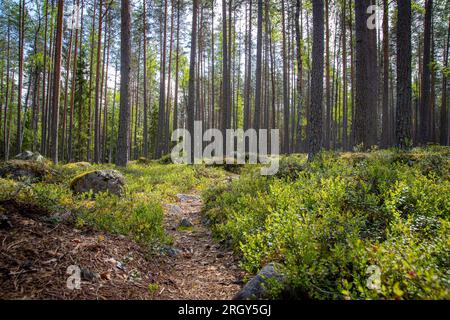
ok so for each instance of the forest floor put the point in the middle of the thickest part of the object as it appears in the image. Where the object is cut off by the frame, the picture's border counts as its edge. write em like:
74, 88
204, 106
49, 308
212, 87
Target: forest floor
202, 270
36, 255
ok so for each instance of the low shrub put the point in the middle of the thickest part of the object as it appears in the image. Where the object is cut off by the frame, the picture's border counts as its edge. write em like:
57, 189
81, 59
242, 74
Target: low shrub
345, 228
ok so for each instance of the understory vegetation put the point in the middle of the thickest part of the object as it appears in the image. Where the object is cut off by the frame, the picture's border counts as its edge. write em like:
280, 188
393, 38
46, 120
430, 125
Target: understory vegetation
343, 221
137, 214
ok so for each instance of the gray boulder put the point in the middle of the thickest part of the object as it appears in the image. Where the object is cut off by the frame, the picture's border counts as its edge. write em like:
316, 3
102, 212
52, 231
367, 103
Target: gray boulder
99, 181
29, 155
257, 287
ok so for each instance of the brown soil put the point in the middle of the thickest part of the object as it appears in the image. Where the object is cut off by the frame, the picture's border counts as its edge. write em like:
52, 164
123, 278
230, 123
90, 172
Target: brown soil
35, 254
203, 270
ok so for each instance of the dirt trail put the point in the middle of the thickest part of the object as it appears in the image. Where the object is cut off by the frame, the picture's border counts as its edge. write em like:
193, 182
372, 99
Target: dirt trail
200, 269
35, 255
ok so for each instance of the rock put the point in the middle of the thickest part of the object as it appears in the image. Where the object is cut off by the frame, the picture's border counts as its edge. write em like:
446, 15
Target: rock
99, 181
171, 251
88, 275
185, 223
29, 155
174, 209
77, 165
25, 170
187, 198
121, 266
5, 223
257, 287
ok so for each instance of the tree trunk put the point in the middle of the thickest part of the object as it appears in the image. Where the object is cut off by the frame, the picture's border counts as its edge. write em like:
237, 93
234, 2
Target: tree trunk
298, 37
162, 90
365, 121
225, 71
315, 111
425, 90
444, 138
56, 82
19, 96
123, 141
191, 89
404, 108
385, 103
248, 72
145, 133
257, 119
98, 87
286, 107
344, 76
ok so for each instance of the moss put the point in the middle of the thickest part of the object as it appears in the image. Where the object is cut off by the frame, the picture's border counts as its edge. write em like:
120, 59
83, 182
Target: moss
354, 157
185, 229
77, 165
34, 170
78, 177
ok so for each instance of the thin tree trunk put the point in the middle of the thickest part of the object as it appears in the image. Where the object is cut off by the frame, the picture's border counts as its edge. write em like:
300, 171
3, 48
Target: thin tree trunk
298, 35
444, 138
286, 109
385, 120
72, 95
425, 90
98, 87
162, 90
19, 96
91, 71
56, 82
191, 85
248, 72
145, 133
257, 119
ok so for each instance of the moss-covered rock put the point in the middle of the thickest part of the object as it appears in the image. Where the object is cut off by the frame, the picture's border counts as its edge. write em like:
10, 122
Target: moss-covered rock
26, 170
77, 165
99, 181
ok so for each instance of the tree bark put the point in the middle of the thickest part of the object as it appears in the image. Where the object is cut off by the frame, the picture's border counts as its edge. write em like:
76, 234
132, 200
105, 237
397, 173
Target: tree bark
257, 118
444, 138
191, 89
56, 82
123, 141
315, 112
404, 93
425, 102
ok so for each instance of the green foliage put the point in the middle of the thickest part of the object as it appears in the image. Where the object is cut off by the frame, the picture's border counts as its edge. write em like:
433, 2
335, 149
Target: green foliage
137, 214
332, 219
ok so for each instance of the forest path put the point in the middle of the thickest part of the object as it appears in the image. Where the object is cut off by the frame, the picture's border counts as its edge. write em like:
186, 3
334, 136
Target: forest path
199, 268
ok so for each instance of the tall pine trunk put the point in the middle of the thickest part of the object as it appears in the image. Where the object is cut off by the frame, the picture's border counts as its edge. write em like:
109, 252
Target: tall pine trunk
315, 111
404, 93
56, 82
123, 141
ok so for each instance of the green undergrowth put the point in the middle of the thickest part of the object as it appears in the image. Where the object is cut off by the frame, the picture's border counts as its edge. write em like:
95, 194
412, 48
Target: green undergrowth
137, 214
345, 226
